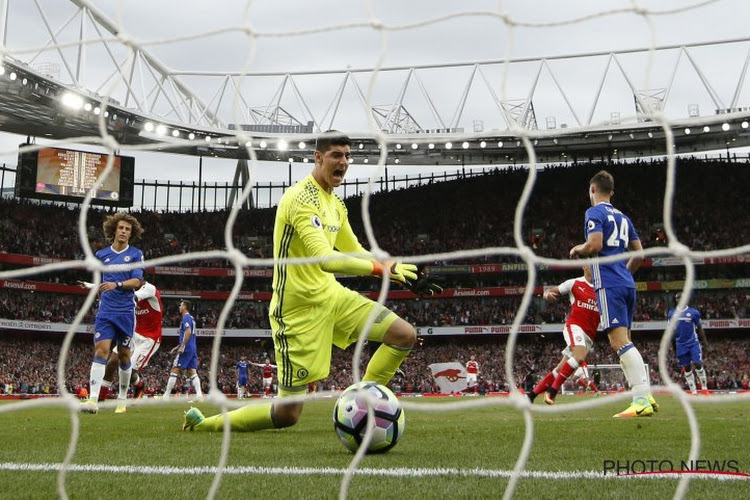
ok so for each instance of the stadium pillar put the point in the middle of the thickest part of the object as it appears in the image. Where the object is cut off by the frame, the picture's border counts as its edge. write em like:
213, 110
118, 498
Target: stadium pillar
241, 178
200, 180
4, 24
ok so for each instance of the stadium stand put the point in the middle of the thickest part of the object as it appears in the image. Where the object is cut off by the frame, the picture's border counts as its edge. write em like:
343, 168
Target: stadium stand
40, 231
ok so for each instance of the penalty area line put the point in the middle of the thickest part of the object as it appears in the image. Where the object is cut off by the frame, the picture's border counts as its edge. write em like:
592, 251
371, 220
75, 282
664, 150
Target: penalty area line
332, 471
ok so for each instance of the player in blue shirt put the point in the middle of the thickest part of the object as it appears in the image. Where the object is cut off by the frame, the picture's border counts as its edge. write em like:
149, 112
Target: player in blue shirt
115, 319
242, 380
187, 353
610, 232
689, 337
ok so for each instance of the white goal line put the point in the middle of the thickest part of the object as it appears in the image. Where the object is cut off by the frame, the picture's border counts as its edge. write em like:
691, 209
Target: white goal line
331, 471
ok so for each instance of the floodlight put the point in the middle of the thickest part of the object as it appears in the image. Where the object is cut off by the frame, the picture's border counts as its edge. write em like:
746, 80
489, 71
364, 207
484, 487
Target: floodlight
72, 100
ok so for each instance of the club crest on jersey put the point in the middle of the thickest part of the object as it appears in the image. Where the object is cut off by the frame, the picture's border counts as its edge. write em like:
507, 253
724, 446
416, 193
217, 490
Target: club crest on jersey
317, 224
126, 258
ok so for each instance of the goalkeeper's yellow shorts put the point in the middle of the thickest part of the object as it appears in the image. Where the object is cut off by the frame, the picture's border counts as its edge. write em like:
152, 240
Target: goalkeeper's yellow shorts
303, 337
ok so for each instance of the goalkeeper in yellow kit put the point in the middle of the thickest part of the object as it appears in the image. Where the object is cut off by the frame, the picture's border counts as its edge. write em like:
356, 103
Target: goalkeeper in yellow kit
309, 309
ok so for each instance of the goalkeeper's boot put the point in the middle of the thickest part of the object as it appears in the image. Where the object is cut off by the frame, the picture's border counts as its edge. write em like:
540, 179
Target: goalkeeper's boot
89, 406
121, 407
192, 418
640, 407
653, 403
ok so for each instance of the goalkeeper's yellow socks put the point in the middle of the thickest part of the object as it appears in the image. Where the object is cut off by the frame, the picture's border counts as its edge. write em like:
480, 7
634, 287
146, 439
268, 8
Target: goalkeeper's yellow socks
246, 419
384, 363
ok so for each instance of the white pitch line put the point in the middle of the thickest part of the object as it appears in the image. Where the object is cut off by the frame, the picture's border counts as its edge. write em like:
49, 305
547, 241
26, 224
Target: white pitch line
330, 471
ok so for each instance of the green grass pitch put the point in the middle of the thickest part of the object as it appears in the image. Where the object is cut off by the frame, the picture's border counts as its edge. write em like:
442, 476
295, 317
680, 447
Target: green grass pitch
472, 443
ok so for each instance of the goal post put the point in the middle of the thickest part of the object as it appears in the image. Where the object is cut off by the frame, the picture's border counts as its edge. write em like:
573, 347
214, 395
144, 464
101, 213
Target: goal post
607, 377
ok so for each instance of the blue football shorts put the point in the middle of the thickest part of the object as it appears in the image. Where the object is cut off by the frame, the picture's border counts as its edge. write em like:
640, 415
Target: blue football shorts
186, 361
616, 307
115, 326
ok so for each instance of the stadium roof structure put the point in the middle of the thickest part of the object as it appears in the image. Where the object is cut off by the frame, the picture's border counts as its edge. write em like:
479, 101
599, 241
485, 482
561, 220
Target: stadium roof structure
33, 104
171, 116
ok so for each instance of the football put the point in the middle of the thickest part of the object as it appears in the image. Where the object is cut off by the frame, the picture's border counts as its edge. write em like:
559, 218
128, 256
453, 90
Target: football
350, 417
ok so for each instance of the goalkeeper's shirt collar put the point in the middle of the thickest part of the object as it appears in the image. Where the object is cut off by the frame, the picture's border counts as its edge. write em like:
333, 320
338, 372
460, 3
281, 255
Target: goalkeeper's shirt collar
318, 186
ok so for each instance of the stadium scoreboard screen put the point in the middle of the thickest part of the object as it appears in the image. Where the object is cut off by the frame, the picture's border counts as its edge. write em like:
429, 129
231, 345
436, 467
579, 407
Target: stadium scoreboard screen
67, 175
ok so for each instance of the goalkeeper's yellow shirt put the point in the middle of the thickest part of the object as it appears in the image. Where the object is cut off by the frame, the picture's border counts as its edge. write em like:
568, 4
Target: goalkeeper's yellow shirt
312, 223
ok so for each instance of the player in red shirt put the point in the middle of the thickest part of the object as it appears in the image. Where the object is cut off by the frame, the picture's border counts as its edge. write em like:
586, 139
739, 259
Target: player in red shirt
583, 379
149, 312
579, 332
472, 371
268, 369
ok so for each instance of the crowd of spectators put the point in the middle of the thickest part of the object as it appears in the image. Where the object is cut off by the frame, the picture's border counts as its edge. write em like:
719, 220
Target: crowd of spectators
476, 212
650, 306
441, 217
28, 365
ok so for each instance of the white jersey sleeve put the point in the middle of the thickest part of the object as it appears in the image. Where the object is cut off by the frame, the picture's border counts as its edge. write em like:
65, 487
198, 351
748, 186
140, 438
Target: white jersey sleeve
145, 292
566, 286
148, 291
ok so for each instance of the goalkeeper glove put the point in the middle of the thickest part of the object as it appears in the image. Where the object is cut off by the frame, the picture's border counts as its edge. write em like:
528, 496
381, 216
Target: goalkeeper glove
423, 285
397, 271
